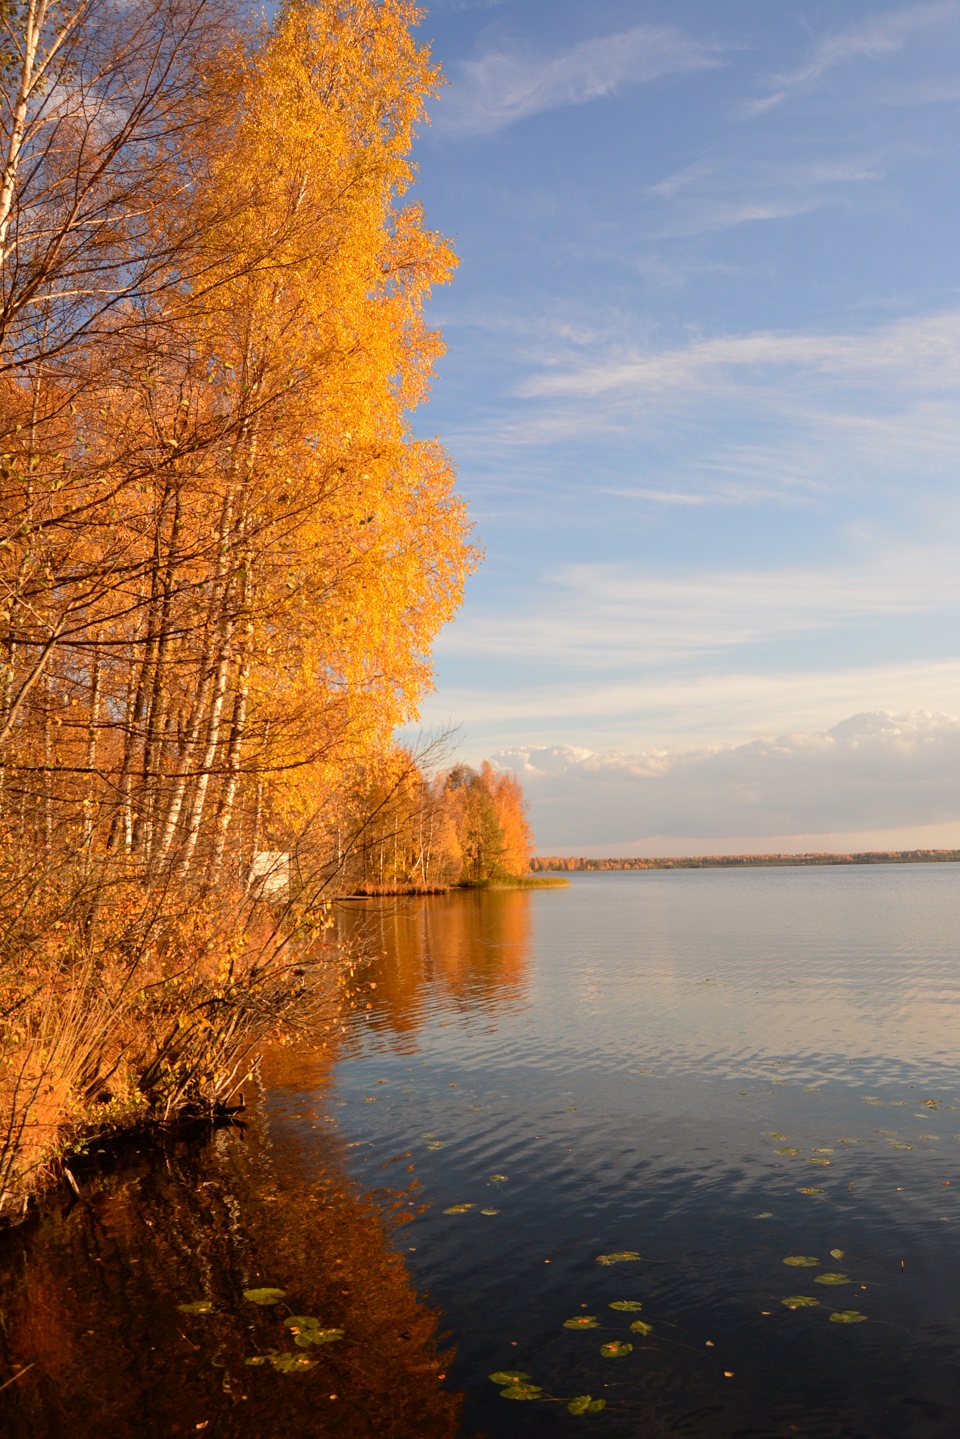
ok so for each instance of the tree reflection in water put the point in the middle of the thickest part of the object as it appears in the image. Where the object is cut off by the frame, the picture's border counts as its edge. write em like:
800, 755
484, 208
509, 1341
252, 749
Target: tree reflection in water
90, 1296
471, 947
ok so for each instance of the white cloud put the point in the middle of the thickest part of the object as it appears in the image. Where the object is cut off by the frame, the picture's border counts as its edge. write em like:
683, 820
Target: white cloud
873, 772
873, 39
921, 352
600, 617
504, 86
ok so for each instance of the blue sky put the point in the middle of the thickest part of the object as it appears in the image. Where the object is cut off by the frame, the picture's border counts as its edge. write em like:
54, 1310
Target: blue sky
702, 386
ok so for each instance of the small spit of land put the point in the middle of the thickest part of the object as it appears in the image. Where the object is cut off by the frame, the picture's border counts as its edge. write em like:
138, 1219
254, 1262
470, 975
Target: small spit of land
549, 864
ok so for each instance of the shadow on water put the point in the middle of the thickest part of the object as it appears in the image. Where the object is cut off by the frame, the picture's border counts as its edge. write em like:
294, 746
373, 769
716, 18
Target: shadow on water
91, 1291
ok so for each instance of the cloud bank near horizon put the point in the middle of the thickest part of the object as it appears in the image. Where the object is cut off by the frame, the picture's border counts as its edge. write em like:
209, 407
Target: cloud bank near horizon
874, 774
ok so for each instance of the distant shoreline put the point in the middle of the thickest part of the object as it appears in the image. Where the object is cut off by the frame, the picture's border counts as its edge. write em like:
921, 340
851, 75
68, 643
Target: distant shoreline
543, 864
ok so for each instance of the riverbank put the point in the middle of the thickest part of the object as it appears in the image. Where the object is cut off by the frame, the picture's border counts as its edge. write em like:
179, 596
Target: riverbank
414, 891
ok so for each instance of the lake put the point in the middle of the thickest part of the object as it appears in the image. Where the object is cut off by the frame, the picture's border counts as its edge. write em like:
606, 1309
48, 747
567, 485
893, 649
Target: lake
572, 1134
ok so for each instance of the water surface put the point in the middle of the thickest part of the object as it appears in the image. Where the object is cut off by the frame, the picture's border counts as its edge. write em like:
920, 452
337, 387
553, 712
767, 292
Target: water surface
713, 1070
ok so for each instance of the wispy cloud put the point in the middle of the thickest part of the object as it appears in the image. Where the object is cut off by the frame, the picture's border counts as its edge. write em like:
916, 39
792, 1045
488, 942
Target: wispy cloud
921, 352
506, 85
874, 39
597, 617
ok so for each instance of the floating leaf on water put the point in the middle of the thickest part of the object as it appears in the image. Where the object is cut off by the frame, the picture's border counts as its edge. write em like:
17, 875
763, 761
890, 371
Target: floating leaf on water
497, 1178
823, 1151
306, 1331
581, 1321
836, 1253
808, 1190
849, 1141
786, 1150
815, 1159
580, 1405
884, 1131
428, 1136
848, 1316
489, 1211
458, 1209
434, 1143
832, 1279
197, 1306
800, 1301
616, 1349
521, 1391
767, 1214
639, 1326
774, 1134
630, 1305
264, 1296
622, 1256
802, 1261
898, 1144
929, 1136
283, 1363
508, 1376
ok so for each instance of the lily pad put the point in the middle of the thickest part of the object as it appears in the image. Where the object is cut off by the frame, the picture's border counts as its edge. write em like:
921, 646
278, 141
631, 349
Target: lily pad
585, 1404
616, 1349
197, 1306
786, 1149
800, 1301
458, 1209
807, 1190
489, 1211
306, 1331
508, 1376
283, 1363
801, 1261
815, 1159
522, 1391
832, 1279
264, 1296
497, 1179
836, 1253
767, 1214
434, 1143
774, 1134
581, 1321
622, 1256
629, 1305
639, 1326
848, 1316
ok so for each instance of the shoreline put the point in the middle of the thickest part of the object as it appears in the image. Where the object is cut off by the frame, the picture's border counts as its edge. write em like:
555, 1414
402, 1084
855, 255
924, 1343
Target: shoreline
582, 865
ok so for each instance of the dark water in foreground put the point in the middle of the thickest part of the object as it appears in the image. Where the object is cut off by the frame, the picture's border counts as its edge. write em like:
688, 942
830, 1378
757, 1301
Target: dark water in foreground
715, 1071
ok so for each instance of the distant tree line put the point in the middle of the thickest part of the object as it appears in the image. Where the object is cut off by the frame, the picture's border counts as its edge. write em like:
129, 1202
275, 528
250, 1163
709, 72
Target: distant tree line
566, 864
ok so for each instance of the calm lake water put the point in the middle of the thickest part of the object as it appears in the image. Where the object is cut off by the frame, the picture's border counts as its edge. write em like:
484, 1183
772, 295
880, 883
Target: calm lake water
713, 1071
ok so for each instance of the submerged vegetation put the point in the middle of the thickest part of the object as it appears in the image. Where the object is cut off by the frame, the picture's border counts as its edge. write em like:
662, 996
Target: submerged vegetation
223, 555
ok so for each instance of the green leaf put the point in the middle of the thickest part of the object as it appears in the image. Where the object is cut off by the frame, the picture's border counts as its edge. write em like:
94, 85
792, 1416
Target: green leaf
306, 1331
629, 1305
802, 1261
808, 1190
596, 1406
198, 1306
581, 1321
786, 1149
848, 1316
458, 1209
264, 1296
489, 1211
291, 1363
800, 1301
815, 1160
616, 1349
774, 1134
580, 1405
622, 1256
508, 1376
639, 1327
435, 1144
831, 1279
497, 1179
257, 1361
521, 1391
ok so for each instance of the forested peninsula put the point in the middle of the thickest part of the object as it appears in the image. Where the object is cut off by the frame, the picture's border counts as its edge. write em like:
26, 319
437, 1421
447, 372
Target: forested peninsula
224, 555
